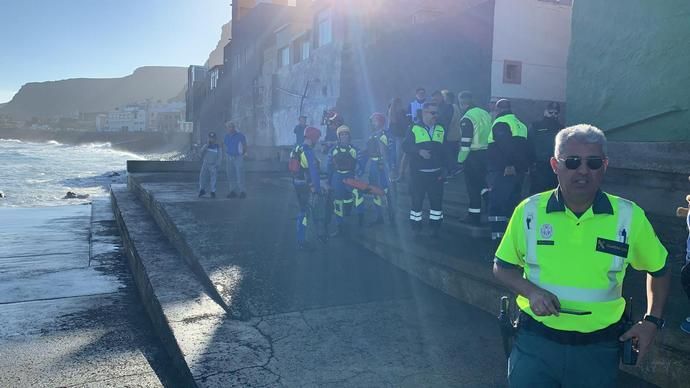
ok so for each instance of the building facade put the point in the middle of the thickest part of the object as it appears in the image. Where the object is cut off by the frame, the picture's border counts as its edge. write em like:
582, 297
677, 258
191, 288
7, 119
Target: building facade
628, 69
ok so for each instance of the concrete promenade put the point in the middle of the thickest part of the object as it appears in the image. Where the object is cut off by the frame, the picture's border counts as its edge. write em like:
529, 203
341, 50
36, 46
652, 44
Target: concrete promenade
235, 304
69, 312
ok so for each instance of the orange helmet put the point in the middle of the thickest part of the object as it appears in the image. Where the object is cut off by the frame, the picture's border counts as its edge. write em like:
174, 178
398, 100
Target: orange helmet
312, 134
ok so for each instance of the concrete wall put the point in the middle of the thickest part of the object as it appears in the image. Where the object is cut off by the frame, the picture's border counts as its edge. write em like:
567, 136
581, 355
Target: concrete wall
537, 34
628, 68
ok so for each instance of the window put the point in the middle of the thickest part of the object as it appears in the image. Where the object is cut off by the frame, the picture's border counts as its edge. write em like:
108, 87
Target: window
284, 56
305, 49
512, 72
301, 48
324, 27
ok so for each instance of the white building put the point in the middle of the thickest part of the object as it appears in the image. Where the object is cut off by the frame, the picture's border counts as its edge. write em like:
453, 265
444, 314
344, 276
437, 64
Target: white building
530, 51
130, 118
165, 117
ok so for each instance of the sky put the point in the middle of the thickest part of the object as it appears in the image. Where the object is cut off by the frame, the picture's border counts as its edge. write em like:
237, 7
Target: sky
47, 40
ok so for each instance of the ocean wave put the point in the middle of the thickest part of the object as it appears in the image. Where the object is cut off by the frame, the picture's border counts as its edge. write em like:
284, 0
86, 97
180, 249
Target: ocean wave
11, 140
54, 142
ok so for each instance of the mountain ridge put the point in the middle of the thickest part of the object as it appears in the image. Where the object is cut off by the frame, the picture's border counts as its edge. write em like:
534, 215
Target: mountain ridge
63, 98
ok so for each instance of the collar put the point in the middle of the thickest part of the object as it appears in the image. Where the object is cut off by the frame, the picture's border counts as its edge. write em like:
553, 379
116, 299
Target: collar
506, 113
601, 204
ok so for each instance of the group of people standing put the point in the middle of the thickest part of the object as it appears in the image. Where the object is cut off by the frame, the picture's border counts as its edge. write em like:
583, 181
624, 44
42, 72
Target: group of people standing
435, 140
233, 151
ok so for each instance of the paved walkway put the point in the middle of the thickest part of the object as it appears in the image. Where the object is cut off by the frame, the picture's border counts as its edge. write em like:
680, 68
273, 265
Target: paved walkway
69, 315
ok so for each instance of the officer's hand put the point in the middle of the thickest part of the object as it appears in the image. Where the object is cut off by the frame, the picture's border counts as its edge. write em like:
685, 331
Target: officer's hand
426, 154
544, 303
643, 334
510, 170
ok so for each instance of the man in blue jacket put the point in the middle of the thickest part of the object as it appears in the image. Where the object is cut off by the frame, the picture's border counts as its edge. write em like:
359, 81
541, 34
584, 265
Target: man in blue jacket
235, 150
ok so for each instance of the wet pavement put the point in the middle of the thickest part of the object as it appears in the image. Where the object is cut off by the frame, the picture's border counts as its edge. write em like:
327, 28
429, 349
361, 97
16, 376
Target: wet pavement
337, 315
69, 314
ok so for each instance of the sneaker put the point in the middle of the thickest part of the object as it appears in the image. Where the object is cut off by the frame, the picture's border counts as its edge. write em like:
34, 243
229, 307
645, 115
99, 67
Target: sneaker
232, 195
243, 195
213, 194
202, 193
685, 326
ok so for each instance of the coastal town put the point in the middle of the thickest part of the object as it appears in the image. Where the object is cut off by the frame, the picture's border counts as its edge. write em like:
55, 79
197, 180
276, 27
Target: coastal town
360, 193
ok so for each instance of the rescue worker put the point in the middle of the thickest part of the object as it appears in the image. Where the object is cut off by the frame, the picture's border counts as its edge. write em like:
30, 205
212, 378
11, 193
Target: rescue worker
307, 183
211, 159
541, 140
476, 127
342, 164
376, 159
565, 254
508, 161
332, 120
425, 149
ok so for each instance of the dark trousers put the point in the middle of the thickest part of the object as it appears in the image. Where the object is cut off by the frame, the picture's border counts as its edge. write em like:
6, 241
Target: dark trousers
539, 362
304, 216
452, 149
475, 179
504, 197
423, 184
685, 277
542, 178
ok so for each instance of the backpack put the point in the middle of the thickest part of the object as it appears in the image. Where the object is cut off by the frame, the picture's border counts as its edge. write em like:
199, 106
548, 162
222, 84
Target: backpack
295, 162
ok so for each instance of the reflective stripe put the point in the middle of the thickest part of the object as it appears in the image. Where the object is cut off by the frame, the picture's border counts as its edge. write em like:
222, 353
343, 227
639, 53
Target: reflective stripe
484, 191
474, 211
466, 139
530, 224
464, 148
415, 216
625, 211
576, 294
435, 215
497, 219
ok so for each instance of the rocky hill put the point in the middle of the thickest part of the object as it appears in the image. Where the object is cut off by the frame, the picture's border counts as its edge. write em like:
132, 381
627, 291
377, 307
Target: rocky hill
67, 97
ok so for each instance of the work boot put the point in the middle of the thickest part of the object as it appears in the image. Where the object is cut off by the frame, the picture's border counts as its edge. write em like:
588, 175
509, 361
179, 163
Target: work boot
243, 195
232, 194
213, 194
202, 192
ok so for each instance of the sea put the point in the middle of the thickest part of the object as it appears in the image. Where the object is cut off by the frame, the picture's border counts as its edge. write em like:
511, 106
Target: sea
40, 174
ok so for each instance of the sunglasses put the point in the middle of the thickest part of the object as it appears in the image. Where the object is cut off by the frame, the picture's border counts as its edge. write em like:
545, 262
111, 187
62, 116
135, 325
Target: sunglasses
574, 162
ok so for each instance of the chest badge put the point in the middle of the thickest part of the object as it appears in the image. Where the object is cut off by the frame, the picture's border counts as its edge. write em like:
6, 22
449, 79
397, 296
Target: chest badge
546, 231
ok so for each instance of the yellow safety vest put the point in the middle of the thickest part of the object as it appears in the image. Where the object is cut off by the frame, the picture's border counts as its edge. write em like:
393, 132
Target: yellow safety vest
481, 122
421, 135
517, 127
580, 260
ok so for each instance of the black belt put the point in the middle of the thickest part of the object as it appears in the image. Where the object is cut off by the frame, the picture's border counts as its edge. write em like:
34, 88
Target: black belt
611, 333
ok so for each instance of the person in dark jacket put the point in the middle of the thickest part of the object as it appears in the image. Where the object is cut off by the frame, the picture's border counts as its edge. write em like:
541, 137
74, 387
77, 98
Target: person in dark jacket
508, 161
426, 153
299, 130
541, 141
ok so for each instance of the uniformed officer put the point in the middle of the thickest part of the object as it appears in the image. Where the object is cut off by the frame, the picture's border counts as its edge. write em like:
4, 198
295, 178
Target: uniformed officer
565, 254
424, 147
475, 126
541, 138
342, 164
307, 183
508, 161
376, 160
